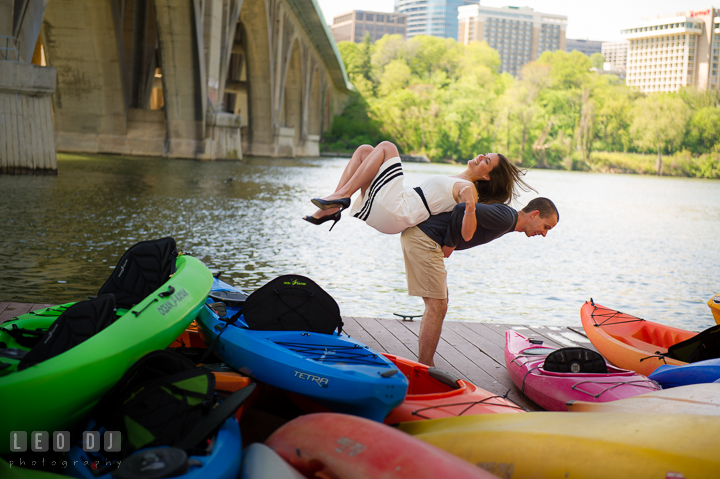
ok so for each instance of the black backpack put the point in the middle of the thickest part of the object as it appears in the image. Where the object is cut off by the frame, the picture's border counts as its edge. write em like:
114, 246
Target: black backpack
78, 323
165, 400
292, 303
575, 360
704, 345
141, 270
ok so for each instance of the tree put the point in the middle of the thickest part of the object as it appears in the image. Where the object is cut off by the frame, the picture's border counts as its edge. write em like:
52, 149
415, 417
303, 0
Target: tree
387, 49
597, 60
395, 76
704, 130
659, 122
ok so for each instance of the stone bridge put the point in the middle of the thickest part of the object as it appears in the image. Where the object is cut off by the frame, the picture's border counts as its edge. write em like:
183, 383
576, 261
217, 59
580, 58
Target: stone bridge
203, 79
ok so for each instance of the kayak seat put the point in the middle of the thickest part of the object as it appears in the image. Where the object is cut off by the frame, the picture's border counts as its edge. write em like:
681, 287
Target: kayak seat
75, 325
143, 268
575, 360
704, 345
292, 303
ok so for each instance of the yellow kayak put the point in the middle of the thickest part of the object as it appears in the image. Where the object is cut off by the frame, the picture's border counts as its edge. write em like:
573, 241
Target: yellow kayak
589, 445
690, 399
714, 304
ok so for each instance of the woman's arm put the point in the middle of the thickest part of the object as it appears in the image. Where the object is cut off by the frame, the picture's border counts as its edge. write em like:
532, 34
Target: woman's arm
469, 223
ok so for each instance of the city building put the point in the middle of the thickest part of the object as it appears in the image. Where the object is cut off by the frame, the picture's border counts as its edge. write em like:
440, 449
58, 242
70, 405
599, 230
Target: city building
615, 54
437, 18
520, 35
352, 26
588, 47
674, 51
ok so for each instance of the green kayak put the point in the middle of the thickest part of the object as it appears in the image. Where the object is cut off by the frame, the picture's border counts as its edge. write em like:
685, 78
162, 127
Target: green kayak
57, 394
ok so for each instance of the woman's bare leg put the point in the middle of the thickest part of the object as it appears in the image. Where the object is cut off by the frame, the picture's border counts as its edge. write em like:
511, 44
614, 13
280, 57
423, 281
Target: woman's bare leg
359, 172
365, 171
358, 157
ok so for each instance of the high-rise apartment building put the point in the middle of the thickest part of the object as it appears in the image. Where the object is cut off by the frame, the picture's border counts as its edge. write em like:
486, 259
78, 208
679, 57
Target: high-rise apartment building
673, 51
615, 54
520, 35
588, 47
352, 26
437, 18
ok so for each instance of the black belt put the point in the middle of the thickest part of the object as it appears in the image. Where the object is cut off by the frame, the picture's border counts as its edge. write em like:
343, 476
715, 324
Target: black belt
422, 197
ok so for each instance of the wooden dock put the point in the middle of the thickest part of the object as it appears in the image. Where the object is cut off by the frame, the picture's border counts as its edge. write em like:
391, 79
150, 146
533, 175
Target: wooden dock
472, 351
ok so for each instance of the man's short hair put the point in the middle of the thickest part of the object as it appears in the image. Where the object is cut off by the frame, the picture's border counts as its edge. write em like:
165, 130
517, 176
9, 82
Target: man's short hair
544, 206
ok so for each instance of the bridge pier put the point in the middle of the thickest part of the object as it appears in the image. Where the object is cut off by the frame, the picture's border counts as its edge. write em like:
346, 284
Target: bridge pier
27, 141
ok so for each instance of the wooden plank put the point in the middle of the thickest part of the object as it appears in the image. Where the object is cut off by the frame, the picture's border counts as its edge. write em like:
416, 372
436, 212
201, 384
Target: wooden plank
489, 343
356, 330
3, 306
440, 361
493, 365
14, 309
561, 337
399, 329
390, 343
447, 349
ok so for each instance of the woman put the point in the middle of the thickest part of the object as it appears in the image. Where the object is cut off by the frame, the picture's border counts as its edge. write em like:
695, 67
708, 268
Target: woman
389, 206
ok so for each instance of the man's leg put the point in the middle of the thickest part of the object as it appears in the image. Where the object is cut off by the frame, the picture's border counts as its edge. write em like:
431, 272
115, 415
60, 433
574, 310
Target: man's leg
430, 329
427, 278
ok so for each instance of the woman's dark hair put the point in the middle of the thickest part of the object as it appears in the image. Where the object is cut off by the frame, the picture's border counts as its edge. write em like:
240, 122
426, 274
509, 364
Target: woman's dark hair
501, 188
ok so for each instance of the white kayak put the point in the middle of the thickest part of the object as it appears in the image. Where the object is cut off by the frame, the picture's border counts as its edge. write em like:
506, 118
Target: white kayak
261, 462
692, 399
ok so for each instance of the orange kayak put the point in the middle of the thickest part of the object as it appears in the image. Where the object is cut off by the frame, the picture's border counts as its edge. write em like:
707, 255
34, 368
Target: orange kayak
189, 338
340, 446
434, 393
630, 342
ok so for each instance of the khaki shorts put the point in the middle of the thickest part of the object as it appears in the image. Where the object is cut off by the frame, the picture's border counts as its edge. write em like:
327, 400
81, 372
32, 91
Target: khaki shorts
424, 265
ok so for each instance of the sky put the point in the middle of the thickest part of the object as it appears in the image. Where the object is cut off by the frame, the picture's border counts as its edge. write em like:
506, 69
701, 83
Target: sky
599, 20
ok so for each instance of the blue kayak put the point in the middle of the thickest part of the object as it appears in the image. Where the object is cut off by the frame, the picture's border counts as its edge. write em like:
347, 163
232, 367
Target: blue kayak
334, 370
222, 459
706, 371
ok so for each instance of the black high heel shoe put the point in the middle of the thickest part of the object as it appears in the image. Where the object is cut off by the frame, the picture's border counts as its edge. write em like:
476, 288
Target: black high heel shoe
318, 221
327, 204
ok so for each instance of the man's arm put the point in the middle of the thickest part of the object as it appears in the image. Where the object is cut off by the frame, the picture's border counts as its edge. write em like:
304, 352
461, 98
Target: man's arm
493, 217
454, 228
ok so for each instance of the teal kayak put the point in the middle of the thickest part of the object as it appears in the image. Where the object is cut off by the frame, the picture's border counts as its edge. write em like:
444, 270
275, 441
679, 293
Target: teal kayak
59, 393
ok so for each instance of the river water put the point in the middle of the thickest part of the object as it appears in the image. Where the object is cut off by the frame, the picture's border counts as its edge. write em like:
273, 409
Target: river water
647, 246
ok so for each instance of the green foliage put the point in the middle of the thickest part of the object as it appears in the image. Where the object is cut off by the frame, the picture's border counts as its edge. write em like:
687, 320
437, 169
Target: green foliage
597, 60
658, 124
446, 100
353, 128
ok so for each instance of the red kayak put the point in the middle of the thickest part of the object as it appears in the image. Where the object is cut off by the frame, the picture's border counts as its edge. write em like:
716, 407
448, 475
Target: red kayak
340, 446
434, 393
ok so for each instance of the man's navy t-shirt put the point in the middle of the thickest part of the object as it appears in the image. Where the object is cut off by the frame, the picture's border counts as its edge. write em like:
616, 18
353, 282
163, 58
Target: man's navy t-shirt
493, 221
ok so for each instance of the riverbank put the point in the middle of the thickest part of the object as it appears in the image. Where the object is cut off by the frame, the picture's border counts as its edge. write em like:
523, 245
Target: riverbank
680, 164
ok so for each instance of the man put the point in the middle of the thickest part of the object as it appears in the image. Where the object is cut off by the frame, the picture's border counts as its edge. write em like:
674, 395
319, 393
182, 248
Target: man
425, 245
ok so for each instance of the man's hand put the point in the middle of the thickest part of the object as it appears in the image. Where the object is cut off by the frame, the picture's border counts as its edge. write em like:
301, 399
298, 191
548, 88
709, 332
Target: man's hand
447, 251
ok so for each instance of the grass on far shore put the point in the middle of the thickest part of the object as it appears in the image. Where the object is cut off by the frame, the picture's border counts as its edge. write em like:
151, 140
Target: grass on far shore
679, 164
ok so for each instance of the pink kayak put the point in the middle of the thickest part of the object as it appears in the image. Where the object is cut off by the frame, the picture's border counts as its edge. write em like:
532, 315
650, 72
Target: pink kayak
551, 377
